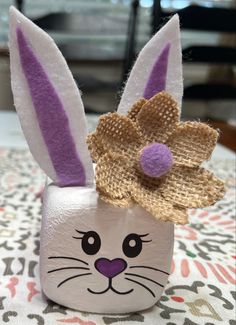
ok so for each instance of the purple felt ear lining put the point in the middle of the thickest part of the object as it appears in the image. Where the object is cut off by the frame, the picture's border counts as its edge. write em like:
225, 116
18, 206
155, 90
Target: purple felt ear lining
52, 118
157, 79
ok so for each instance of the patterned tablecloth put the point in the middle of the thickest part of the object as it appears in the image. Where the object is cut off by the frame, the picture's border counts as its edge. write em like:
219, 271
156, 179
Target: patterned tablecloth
201, 288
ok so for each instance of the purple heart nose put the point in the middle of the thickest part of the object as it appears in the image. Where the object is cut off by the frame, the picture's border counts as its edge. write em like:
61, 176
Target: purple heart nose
110, 268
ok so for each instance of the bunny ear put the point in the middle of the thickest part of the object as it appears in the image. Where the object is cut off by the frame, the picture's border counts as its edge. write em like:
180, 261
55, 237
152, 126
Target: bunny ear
158, 67
48, 103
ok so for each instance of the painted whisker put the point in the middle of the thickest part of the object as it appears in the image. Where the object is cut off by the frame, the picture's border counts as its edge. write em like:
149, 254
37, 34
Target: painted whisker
142, 285
68, 268
71, 278
148, 267
145, 278
67, 258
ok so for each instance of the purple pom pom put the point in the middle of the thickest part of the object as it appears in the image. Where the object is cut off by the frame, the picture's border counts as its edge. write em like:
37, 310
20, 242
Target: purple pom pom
156, 159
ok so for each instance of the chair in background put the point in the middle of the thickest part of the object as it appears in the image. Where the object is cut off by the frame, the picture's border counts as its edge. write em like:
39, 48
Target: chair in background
220, 86
85, 55
96, 68
19, 5
198, 18
130, 46
195, 18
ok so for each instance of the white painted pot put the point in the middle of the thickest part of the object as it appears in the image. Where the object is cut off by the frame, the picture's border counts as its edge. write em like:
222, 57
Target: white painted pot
121, 262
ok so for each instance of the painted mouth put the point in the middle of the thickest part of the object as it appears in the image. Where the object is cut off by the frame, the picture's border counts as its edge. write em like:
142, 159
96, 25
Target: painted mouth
110, 287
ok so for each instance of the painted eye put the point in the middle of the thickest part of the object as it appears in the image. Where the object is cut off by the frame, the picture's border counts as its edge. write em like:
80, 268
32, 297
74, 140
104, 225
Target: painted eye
91, 243
132, 245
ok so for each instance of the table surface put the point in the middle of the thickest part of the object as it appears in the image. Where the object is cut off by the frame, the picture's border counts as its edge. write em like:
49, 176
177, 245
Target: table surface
201, 287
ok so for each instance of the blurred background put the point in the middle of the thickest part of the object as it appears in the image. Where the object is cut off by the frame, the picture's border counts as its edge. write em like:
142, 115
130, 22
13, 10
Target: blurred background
101, 38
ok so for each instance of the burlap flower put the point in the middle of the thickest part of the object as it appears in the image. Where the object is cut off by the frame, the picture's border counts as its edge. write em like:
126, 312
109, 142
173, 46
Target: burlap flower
151, 158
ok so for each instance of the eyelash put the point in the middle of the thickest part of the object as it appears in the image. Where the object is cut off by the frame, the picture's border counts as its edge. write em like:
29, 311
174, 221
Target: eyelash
84, 232
144, 241
80, 232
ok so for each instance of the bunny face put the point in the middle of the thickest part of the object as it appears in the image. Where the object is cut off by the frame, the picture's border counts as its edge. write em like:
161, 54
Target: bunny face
101, 258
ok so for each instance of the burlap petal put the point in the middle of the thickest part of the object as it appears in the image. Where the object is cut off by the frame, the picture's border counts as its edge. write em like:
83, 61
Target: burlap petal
135, 109
114, 177
192, 143
158, 118
191, 187
118, 134
122, 203
153, 202
95, 146
145, 181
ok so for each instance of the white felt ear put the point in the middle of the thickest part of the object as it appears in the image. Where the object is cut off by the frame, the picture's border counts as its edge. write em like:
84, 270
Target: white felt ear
143, 67
48, 103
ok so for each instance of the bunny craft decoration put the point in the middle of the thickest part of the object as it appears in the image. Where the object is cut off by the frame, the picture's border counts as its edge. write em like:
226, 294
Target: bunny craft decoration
107, 238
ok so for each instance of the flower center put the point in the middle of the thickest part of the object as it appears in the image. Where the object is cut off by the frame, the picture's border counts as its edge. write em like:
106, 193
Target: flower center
156, 159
